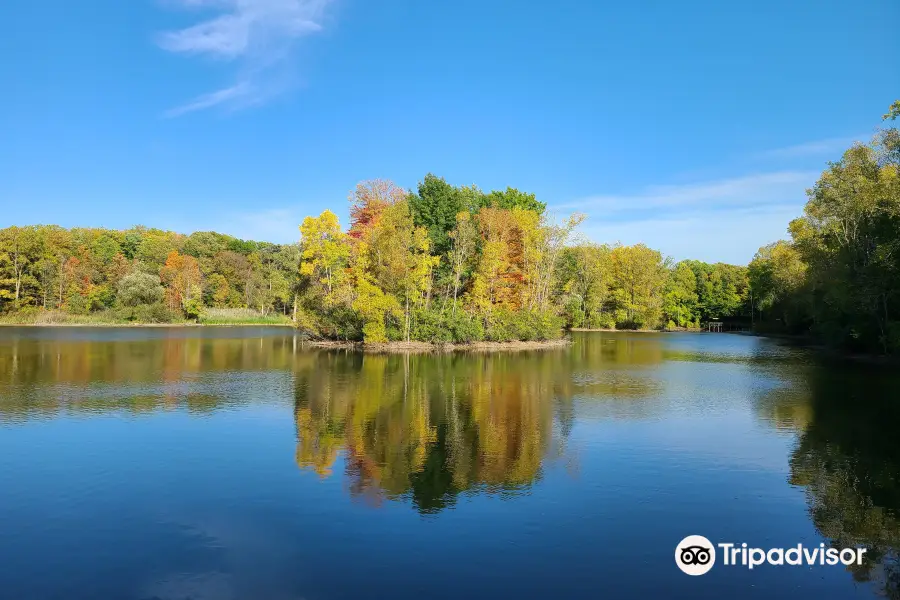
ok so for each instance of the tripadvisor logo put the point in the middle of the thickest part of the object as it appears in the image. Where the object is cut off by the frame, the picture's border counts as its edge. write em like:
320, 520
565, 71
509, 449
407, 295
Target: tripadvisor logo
696, 555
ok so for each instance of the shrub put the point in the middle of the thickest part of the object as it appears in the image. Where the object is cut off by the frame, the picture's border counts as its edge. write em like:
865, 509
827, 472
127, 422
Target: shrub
77, 304
505, 326
450, 324
153, 313
602, 320
192, 308
374, 331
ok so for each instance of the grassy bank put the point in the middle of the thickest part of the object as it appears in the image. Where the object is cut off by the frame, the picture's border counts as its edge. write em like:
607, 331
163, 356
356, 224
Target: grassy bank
111, 318
241, 316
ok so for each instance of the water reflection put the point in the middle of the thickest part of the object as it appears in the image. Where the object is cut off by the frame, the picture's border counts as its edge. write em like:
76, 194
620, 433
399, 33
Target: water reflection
426, 427
432, 430
99, 371
847, 459
431, 427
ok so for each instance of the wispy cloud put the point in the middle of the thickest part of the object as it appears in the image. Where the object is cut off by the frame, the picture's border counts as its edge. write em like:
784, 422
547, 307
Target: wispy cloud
749, 190
257, 37
232, 94
717, 220
831, 146
732, 237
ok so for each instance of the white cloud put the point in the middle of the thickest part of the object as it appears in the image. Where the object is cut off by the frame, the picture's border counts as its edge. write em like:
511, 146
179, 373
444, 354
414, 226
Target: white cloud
831, 146
749, 190
228, 95
258, 36
732, 237
720, 220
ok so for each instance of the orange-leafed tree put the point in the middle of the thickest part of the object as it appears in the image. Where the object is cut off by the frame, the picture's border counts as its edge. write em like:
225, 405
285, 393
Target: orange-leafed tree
367, 203
182, 278
499, 274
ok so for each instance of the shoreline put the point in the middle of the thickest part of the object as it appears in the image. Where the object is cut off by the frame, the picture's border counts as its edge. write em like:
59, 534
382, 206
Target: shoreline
377, 347
608, 330
148, 325
828, 352
442, 347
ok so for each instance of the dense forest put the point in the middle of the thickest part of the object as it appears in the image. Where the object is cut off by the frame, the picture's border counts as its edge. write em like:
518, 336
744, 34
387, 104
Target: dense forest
451, 263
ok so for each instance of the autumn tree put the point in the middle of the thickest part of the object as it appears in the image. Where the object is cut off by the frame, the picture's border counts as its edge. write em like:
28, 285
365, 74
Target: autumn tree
463, 244
585, 280
368, 202
399, 258
324, 253
638, 275
543, 245
18, 250
370, 301
181, 275
498, 276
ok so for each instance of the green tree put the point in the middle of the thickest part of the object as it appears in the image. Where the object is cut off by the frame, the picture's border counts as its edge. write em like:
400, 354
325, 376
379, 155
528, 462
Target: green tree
586, 277
848, 236
512, 198
777, 275
434, 207
893, 111
140, 288
680, 301
638, 276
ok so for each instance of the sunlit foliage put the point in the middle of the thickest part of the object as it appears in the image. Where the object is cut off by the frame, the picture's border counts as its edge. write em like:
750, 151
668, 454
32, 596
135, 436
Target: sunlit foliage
839, 276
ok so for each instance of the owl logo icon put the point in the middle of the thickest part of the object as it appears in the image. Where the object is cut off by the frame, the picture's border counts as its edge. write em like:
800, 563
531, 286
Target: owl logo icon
695, 555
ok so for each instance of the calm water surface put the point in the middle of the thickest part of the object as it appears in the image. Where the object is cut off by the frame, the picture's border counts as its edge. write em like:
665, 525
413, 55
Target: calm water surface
233, 463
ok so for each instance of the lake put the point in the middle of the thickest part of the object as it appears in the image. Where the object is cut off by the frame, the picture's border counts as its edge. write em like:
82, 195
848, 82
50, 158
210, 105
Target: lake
226, 463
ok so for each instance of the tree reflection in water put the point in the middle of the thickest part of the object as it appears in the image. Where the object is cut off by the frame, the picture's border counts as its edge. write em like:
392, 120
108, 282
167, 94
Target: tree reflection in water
431, 427
847, 459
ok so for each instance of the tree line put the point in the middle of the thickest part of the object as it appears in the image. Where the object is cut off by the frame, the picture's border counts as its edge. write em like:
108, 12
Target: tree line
440, 263
140, 274
838, 277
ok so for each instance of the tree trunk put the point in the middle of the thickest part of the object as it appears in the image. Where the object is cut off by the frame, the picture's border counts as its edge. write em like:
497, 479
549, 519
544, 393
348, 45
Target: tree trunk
407, 318
18, 276
61, 279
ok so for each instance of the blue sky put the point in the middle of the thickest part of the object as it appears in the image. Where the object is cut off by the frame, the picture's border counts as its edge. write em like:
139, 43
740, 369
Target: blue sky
693, 127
